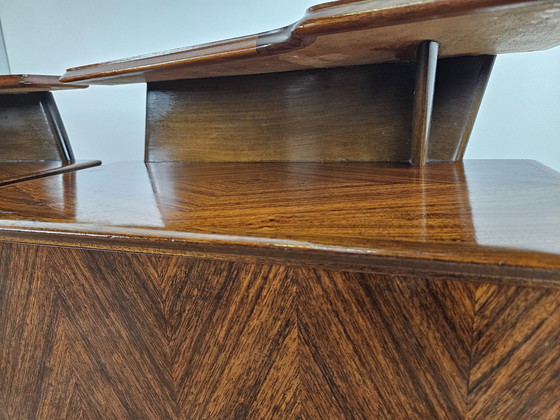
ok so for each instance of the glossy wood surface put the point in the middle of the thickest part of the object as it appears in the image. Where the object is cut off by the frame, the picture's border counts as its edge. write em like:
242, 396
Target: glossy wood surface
360, 113
347, 114
424, 87
491, 217
123, 335
12, 172
31, 129
460, 86
25, 83
515, 351
350, 33
93, 334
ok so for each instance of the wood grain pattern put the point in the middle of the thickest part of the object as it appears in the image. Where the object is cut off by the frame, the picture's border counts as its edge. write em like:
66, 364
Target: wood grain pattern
124, 335
460, 86
515, 354
31, 129
369, 348
479, 216
25, 129
352, 33
25, 83
360, 113
350, 114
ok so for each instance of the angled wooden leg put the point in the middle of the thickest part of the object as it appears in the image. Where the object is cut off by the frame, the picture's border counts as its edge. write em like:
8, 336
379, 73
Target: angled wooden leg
33, 140
426, 65
57, 128
460, 86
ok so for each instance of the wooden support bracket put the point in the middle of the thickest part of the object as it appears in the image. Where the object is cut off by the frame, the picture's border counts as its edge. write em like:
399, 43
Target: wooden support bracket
426, 66
363, 113
33, 140
57, 128
31, 129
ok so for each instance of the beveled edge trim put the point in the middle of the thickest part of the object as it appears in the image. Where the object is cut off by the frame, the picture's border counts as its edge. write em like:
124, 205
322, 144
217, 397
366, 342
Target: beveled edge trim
404, 257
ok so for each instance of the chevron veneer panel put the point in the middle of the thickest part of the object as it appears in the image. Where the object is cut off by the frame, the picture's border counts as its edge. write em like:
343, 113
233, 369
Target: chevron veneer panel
97, 334
515, 367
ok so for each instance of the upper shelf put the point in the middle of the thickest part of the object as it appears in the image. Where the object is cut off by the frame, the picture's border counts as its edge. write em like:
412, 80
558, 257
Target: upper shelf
350, 32
25, 83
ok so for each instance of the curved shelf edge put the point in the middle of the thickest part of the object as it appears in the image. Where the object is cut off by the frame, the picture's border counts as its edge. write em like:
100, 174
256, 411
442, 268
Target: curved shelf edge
369, 28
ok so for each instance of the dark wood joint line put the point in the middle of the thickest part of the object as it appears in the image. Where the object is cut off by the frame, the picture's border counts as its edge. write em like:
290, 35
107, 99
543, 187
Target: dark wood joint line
57, 127
426, 66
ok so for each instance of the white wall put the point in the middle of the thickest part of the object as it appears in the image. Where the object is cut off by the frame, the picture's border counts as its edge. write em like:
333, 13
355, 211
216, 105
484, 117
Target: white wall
518, 118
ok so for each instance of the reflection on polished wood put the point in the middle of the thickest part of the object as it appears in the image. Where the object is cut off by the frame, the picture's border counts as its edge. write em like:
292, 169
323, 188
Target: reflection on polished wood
27, 129
350, 33
282, 290
33, 140
348, 114
364, 211
361, 113
261, 264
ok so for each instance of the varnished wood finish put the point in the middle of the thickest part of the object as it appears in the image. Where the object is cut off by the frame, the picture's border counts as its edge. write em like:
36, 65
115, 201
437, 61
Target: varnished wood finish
29, 130
293, 290
33, 140
350, 33
483, 220
12, 172
360, 113
426, 66
25, 83
460, 86
93, 334
516, 332
348, 114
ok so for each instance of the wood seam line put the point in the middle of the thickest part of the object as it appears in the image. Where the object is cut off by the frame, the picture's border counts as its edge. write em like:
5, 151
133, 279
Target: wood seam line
426, 65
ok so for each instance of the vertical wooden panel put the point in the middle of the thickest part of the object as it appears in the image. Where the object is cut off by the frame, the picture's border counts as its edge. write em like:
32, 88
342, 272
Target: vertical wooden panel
134, 336
460, 86
95, 334
345, 114
232, 334
515, 366
29, 316
382, 347
362, 113
27, 128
